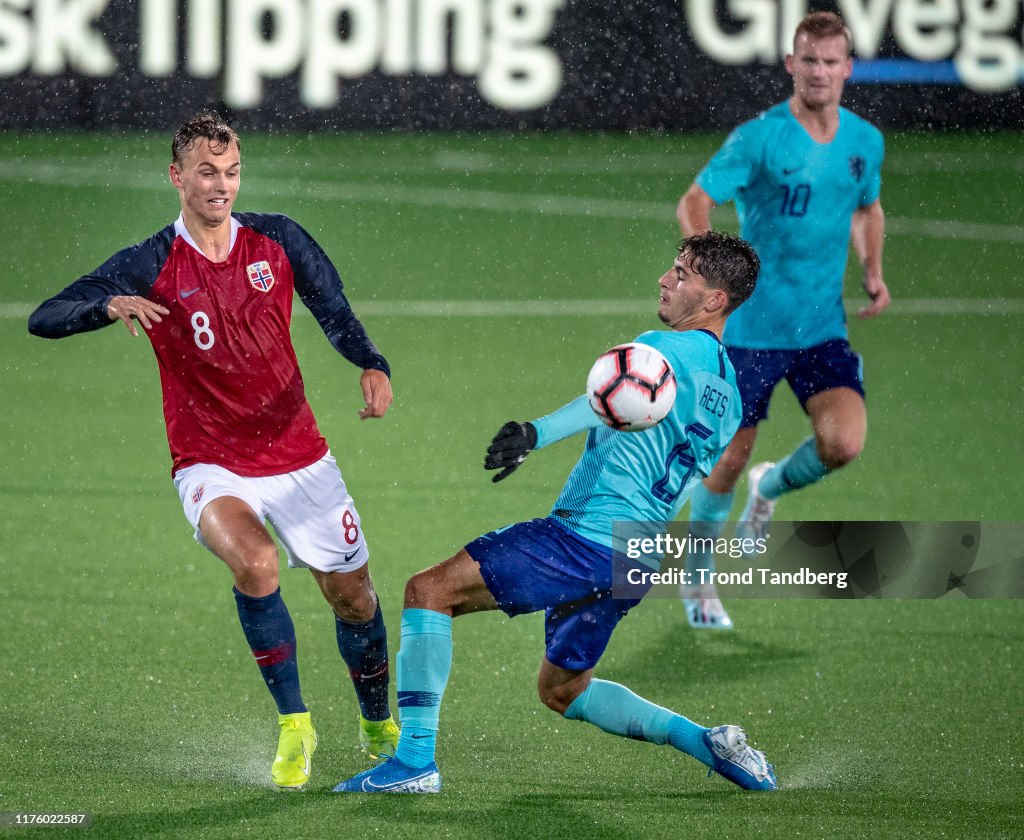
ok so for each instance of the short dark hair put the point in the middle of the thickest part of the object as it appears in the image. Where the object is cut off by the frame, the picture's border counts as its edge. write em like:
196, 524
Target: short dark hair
725, 262
206, 124
824, 25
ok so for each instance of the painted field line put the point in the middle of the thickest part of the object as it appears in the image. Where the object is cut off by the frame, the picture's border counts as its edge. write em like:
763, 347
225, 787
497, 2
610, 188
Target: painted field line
456, 198
607, 308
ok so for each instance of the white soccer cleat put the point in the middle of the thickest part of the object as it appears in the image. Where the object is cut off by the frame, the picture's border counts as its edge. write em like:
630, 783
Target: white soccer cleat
755, 521
704, 611
735, 760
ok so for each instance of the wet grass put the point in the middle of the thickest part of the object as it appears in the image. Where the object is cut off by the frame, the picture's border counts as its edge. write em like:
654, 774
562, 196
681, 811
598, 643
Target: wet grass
126, 689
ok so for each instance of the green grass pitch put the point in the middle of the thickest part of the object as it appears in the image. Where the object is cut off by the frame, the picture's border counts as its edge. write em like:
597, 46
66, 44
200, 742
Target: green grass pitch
127, 690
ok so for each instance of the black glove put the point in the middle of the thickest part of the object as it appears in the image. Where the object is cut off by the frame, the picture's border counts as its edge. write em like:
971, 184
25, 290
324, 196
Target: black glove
509, 448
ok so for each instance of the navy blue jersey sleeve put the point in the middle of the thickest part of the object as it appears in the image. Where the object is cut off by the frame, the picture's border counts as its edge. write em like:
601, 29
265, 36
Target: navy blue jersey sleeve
319, 287
82, 306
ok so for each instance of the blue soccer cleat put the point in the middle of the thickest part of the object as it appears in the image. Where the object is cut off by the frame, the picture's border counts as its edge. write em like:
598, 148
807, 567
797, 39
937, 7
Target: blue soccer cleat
391, 776
740, 764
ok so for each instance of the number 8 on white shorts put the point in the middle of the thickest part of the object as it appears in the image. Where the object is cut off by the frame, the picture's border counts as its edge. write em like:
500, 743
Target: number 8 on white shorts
311, 510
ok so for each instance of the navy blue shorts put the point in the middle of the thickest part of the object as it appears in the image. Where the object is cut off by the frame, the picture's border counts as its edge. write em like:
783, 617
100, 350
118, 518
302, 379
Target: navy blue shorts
832, 364
542, 565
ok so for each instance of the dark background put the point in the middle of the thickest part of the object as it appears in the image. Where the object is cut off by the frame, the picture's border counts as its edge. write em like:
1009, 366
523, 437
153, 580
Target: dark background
630, 65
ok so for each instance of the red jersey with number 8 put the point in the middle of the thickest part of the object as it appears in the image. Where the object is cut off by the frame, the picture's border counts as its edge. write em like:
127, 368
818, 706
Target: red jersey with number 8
233, 395
232, 391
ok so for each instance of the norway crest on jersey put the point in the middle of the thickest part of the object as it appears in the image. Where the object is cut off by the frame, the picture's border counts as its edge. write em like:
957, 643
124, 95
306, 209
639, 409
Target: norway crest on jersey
261, 278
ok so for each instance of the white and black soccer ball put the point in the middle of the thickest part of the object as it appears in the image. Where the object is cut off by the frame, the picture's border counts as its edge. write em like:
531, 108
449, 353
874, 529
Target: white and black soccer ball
631, 387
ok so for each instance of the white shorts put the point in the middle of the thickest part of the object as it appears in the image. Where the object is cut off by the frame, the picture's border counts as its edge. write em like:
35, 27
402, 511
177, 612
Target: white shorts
313, 515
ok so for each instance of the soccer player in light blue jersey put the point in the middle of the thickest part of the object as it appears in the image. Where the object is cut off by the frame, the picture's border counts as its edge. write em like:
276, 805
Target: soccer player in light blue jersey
563, 564
805, 178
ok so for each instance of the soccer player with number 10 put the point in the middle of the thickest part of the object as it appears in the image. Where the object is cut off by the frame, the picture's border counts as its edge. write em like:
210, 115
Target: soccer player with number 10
806, 178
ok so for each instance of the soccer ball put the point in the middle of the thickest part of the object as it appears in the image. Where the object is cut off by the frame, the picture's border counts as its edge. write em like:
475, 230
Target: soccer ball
631, 387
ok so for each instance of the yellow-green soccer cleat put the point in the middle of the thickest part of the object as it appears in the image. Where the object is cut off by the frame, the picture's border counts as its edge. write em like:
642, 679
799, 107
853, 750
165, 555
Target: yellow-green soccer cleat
295, 748
378, 738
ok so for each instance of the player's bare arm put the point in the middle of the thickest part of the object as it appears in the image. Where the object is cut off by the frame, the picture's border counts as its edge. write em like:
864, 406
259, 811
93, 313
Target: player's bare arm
376, 393
867, 230
127, 308
694, 211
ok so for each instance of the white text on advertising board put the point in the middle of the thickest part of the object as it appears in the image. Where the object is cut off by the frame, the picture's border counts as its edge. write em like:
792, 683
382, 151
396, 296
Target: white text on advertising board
981, 37
320, 42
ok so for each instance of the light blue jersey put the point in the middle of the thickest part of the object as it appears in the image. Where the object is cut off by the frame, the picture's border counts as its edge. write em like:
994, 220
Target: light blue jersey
647, 476
795, 199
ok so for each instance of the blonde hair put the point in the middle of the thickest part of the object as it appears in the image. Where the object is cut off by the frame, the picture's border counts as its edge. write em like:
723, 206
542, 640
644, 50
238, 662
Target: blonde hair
824, 25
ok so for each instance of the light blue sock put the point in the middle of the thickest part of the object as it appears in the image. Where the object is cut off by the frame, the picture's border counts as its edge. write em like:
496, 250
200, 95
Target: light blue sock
798, 469
617, 710
424, 662
708, 513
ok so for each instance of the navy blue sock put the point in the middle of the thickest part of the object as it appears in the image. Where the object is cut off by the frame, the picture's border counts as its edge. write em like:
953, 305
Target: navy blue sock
270, 633
364, 647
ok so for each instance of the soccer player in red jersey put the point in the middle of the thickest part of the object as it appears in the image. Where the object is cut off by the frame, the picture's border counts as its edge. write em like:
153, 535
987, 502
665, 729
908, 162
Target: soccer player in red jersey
213, 291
